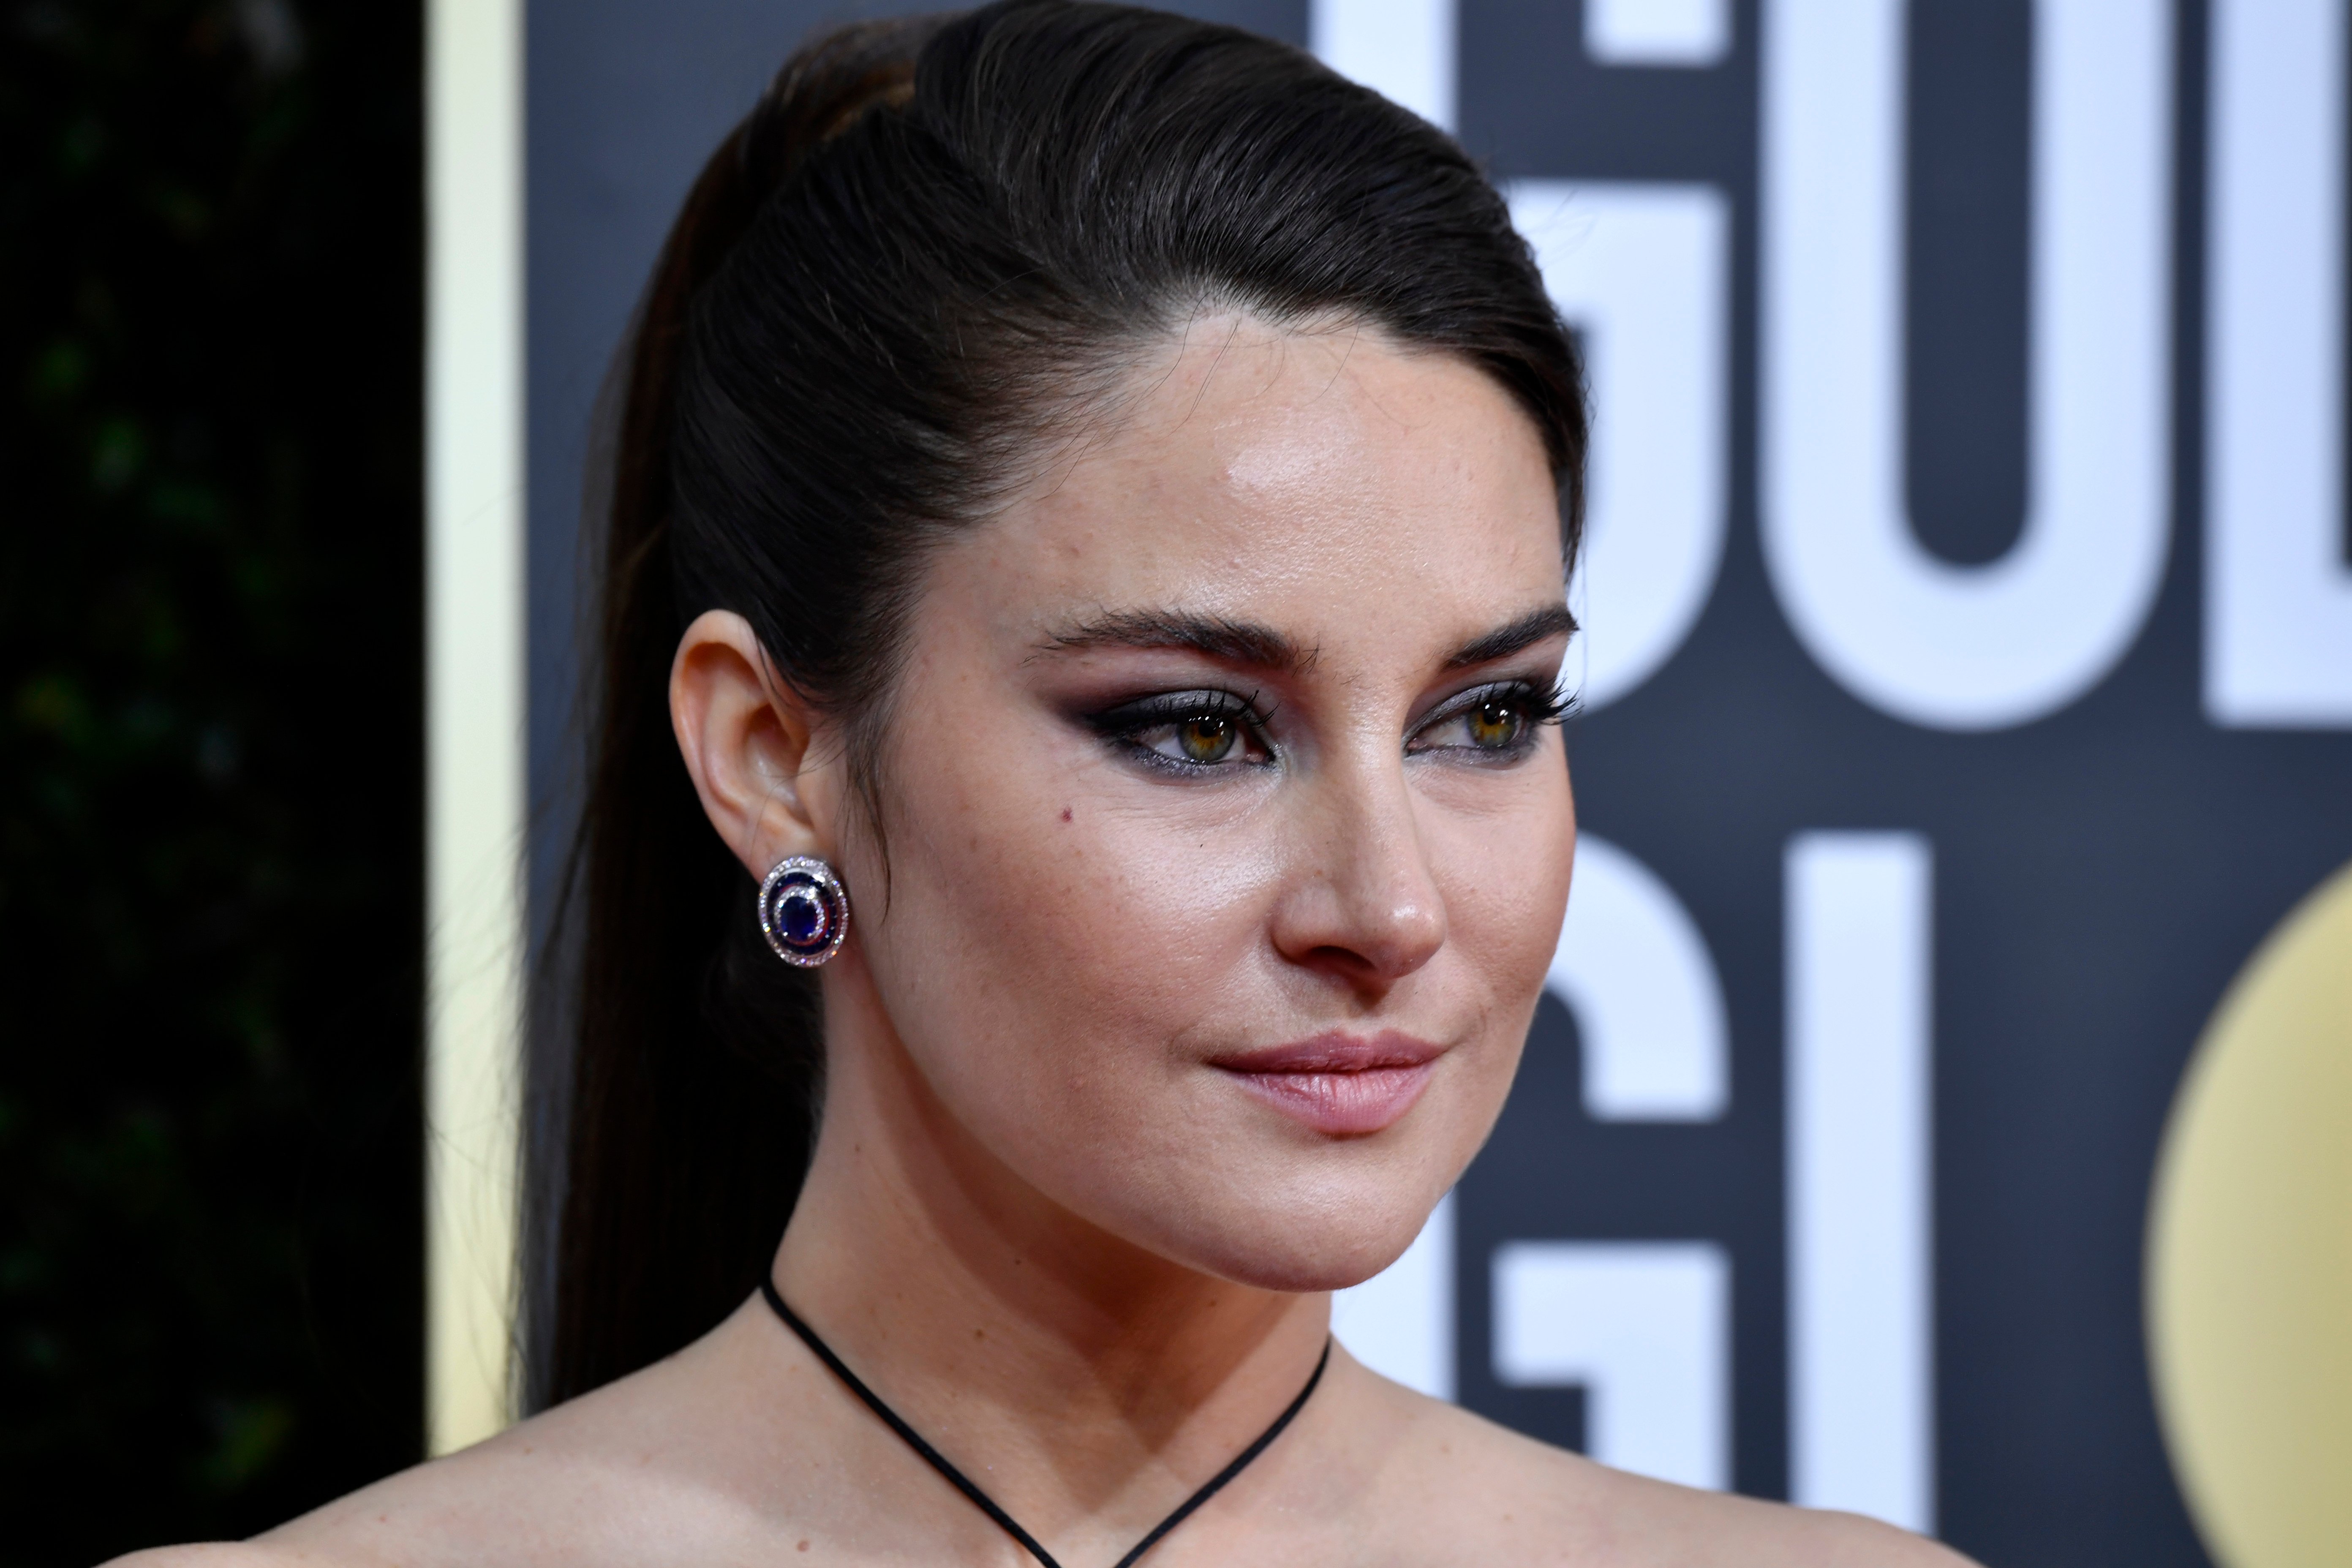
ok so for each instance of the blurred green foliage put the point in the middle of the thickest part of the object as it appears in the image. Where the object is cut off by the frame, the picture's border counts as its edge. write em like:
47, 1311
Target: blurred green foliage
210, 769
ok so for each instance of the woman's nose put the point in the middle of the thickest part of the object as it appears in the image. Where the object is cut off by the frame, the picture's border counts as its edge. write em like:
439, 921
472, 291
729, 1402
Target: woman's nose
1363, 905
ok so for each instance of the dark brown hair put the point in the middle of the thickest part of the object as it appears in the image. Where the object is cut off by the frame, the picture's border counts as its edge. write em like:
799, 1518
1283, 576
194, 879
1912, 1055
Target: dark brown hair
931, 243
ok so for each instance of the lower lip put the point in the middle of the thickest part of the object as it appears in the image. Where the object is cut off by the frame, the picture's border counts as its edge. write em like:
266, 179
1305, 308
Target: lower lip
1340, 1104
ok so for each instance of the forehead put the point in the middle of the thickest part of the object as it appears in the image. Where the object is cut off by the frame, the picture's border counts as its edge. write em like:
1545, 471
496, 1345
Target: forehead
1311, 479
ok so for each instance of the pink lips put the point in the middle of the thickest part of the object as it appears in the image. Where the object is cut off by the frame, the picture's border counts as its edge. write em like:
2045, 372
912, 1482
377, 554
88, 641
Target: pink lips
1342, 1086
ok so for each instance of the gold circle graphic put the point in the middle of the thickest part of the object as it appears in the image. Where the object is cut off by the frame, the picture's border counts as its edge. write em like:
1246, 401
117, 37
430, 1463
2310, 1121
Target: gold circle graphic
2250, 1254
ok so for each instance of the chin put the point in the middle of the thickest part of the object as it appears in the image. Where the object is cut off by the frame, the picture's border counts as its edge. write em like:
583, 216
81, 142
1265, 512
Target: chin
1320, 1231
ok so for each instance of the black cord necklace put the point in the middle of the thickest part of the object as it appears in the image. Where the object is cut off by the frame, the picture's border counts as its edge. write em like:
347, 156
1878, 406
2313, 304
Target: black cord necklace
987, 1504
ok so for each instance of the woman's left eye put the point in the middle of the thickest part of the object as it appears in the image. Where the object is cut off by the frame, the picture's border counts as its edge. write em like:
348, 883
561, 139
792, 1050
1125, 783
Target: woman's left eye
1497, 722
1495, 725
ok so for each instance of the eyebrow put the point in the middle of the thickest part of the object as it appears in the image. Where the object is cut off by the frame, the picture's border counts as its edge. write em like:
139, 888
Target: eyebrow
1535, 627
1253, 646
1212, 636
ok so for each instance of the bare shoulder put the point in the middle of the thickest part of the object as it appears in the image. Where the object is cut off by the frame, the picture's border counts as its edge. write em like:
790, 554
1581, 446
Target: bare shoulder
1487, 1494
497, 1502
611, 1477
608, 1478
217, 1554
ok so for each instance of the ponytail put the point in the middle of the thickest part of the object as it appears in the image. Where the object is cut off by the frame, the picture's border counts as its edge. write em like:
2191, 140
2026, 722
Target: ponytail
693, 1057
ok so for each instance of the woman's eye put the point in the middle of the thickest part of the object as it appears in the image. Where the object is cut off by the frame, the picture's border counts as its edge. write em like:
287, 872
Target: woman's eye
1496, 724
1206, 738
1205, 730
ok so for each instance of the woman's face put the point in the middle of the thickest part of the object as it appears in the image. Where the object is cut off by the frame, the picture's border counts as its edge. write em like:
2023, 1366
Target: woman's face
1227, 844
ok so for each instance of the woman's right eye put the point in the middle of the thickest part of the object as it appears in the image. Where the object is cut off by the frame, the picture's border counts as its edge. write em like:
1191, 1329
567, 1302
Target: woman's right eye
1204, 738
1188, 734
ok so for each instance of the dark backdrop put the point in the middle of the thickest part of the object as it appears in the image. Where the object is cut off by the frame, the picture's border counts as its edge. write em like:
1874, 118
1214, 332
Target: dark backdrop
210, 1236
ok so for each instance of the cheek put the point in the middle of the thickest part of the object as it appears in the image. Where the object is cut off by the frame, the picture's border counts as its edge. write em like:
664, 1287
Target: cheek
1098, 921
1504, 879
1048, 927
1506, 896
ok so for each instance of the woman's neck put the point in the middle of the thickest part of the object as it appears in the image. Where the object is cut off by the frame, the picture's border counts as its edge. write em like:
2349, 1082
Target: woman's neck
1088, 1377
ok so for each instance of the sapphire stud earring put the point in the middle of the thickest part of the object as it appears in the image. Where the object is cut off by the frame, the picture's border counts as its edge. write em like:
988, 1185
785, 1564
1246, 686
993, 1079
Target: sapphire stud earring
803, 910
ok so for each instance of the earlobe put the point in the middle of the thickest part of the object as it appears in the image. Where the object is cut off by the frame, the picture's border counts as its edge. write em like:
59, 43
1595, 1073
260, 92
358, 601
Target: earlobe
745, 740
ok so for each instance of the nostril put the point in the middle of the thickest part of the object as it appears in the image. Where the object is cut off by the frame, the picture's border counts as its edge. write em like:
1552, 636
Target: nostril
1383, 949
1365, 905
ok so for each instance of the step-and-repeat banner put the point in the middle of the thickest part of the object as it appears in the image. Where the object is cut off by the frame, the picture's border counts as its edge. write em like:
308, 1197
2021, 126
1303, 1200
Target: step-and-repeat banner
1941, 1105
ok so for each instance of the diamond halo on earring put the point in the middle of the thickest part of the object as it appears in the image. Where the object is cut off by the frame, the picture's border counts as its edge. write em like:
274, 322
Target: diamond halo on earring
803, 910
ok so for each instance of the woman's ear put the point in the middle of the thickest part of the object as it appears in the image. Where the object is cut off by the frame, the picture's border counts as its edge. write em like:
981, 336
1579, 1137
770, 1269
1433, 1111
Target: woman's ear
745, 736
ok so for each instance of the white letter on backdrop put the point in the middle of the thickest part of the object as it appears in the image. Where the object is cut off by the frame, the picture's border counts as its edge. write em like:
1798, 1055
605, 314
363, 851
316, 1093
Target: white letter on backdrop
1642, 271
1692, 34
1966, 647
1402, 49
2278, 592
1860, 1069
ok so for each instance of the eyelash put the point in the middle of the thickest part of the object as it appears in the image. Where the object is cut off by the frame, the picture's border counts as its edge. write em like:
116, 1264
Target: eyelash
1128, 724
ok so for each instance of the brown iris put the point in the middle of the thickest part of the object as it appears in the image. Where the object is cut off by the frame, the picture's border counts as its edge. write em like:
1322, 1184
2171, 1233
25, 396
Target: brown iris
1205, 738
1495, 723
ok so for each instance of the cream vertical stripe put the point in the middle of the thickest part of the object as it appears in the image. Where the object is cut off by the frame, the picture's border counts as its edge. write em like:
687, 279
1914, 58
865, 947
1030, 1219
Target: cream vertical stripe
474, 708
1861, 1163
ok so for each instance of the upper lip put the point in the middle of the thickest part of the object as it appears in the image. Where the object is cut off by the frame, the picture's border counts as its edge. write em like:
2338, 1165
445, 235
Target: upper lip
1335, 1051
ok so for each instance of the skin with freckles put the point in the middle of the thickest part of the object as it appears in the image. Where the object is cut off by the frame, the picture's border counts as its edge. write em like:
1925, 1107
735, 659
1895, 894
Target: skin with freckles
1317, 878
1223, 844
